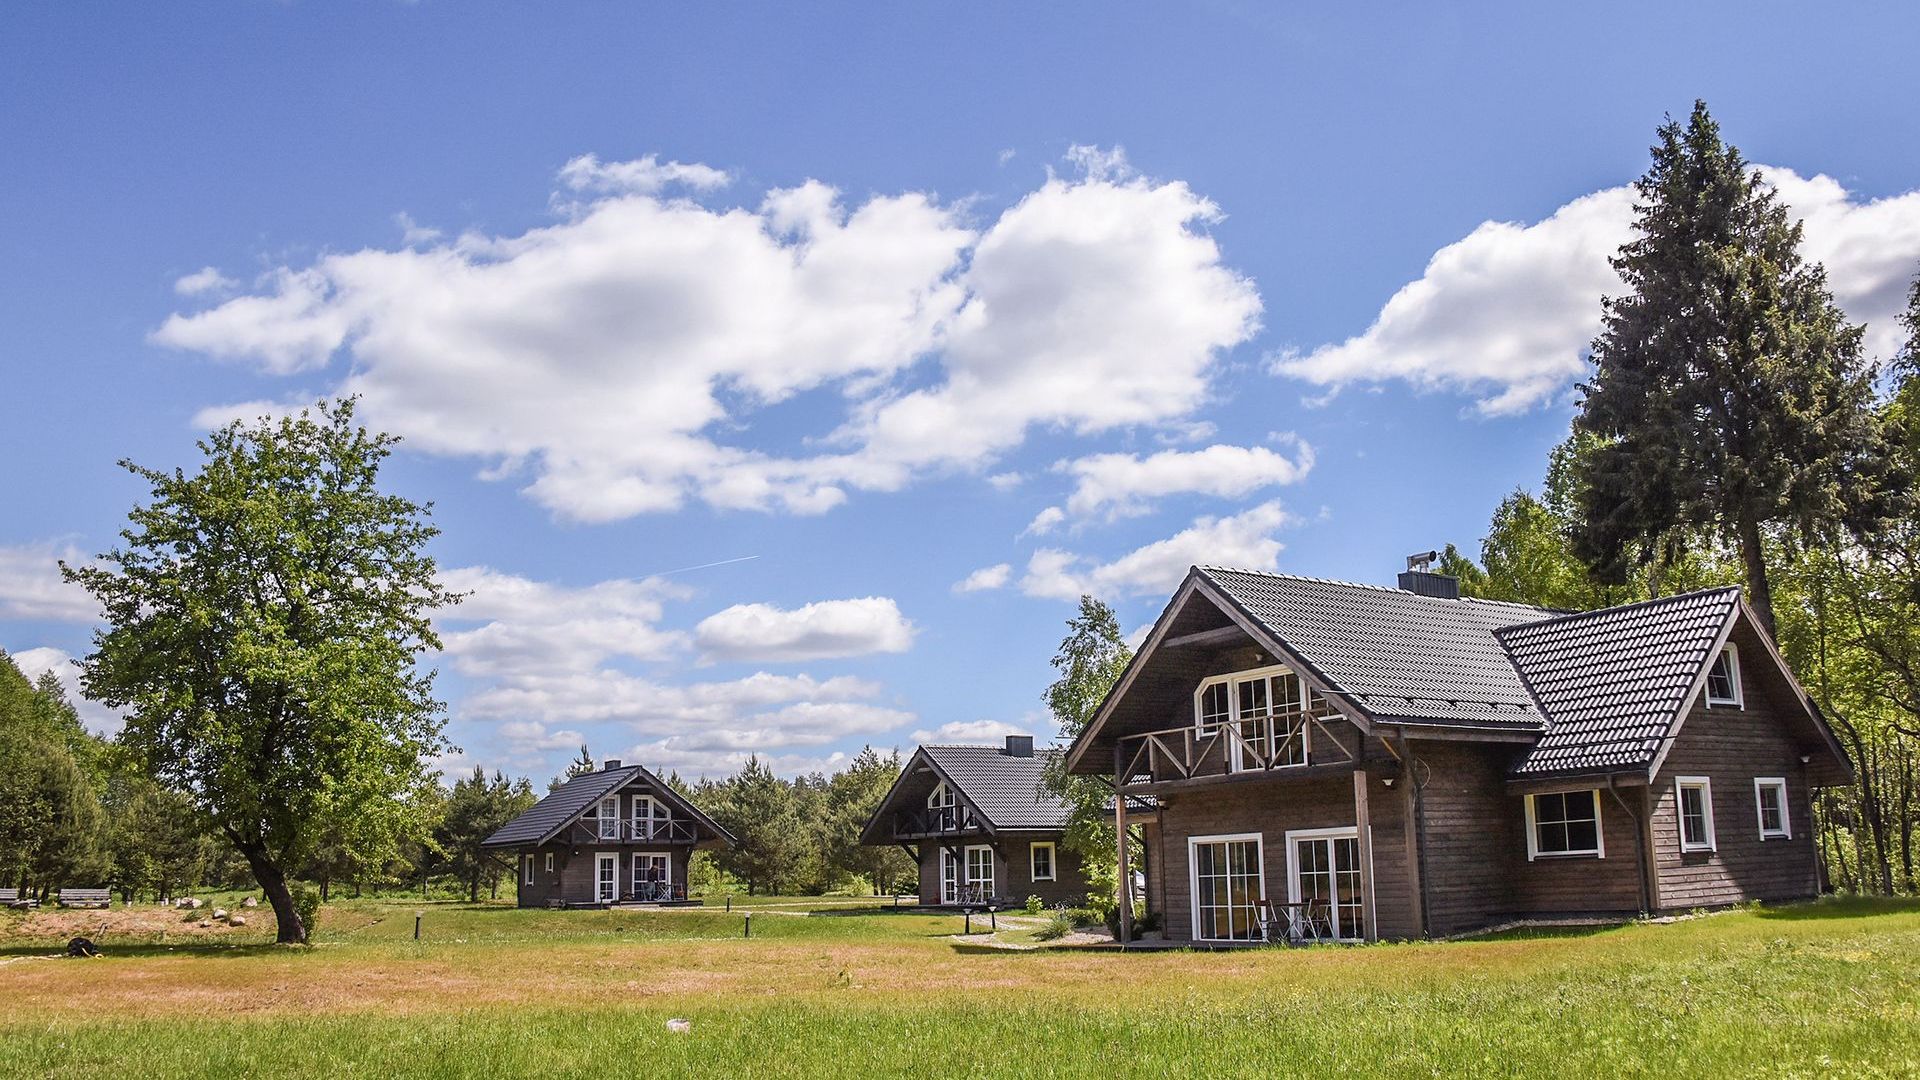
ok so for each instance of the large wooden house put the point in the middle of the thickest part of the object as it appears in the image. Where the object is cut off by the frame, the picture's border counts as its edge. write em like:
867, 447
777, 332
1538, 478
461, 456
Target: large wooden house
615, 836
981, 826
1356, 762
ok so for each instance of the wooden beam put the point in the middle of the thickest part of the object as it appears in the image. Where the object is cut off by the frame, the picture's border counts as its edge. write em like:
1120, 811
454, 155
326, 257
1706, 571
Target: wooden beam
1205, 637
1123, 872
1363, 829
1280, 774
1410, 814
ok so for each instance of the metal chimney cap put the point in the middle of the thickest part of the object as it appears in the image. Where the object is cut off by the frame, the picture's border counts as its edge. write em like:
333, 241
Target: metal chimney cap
1423, 561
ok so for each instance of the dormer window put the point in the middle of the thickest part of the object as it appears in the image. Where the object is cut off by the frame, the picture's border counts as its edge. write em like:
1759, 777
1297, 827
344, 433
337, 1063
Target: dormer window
1723, 680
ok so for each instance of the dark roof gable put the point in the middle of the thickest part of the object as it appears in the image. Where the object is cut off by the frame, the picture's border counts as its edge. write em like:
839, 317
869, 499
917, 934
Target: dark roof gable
544, 819
1006, 790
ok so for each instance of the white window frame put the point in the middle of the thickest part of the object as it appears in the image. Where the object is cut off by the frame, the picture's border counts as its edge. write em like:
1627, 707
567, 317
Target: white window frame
1738, 700
1193, 876
1704, 785
549, 862
950, 876
1294, 892
1779, 784
609, 828
1053, 857
1232, 680
647, 825
600, 859
967, 862
666, 877
530, 869
1599, 850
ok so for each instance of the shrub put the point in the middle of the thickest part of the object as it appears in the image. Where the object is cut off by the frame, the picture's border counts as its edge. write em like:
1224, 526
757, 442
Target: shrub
1059, 925
1034, 905
306, 904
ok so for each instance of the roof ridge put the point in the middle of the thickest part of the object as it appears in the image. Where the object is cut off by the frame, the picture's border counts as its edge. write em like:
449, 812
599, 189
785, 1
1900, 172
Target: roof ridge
1394, 590
1655, 601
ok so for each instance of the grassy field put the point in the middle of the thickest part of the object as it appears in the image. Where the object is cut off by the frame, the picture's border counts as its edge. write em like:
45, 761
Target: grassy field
852, 990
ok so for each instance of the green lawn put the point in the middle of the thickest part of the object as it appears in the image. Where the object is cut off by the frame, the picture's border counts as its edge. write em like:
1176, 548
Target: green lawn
1823, 989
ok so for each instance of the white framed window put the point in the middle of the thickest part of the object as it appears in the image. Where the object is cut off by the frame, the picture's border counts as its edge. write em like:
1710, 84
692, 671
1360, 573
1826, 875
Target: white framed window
1040, 860
606, 877
530, 869
652, 875
609, 818
549, 862
980, 871
1324, 865
943, 808
1267, 707
1693, 797
1770, 803
949, 877
1723, 680
649, 817
1228, 878
1562, 823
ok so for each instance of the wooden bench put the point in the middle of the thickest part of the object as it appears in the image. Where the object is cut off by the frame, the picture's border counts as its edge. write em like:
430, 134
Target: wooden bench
85, 898
11, 898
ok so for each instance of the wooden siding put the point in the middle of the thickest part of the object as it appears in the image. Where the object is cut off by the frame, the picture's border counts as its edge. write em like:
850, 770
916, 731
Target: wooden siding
1731, 747
1272, 808
1012, 869
572, 880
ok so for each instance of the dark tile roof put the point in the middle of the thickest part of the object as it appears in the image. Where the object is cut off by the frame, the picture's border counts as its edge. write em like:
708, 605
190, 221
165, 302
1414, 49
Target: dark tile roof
572, 799
1005, 789
1613, 681
1399, 655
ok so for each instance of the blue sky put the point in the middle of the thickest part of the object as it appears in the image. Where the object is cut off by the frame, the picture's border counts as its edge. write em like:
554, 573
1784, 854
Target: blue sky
877, 301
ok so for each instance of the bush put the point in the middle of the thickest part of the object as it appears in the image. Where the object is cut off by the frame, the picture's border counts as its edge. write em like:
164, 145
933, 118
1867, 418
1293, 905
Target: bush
306, 904
1034, 905
1059, 925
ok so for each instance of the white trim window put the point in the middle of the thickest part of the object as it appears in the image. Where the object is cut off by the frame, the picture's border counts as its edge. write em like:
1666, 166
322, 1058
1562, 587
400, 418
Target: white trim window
1564, 823
1770, 805
980, 872
606, 877
530, 868
608, 816
1228, 878
549, 862
1723, 680
650, 817
1040, 857
1693, 804
1324, 865
652, 875
949, 877
942, 808
1266, 706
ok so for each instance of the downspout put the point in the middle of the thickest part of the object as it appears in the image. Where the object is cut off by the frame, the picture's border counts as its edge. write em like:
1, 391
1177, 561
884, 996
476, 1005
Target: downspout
1639, 845
1420, 833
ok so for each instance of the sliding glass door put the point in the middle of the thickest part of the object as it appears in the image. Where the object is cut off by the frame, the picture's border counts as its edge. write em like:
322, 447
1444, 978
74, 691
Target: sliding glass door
1326, 868
1228, 885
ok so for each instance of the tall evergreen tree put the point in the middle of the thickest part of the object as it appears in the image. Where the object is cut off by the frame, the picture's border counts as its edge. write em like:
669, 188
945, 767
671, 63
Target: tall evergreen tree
476, 809
759, 809
264, 619
852, 796
1729, 394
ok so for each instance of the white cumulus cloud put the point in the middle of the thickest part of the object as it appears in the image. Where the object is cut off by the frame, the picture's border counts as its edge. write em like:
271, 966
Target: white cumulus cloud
970, 731
616, 359
1243, 540
1507, 313
985, 578
1126, 485
31, 586
207, 279
823, 630
510, 623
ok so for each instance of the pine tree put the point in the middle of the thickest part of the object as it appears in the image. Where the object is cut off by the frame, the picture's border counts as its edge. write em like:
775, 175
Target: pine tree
1729, 394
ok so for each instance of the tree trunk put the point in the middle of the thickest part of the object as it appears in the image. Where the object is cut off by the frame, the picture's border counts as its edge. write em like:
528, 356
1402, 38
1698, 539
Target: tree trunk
289, 930
473, 887
1753, 554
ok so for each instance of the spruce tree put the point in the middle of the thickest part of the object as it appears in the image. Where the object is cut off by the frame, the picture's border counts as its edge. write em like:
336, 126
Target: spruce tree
1729, 395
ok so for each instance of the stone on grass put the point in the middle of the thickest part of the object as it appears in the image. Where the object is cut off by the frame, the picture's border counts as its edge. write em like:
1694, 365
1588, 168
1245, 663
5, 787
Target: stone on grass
236, 920
249, 902
680, 1026
219, 913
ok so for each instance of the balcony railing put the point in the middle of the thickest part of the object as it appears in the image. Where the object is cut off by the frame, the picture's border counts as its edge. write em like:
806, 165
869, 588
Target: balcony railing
632, 831
935, 821
1268, 744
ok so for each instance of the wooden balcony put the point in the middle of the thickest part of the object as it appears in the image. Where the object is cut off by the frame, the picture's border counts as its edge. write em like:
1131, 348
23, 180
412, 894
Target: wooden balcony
1275, 747
642, 831
936, 821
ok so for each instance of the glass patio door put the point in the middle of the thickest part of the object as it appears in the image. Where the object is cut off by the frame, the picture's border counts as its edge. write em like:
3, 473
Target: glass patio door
980, 874
606, 877
1327, 869
1227, 889
652, 876
949, 877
